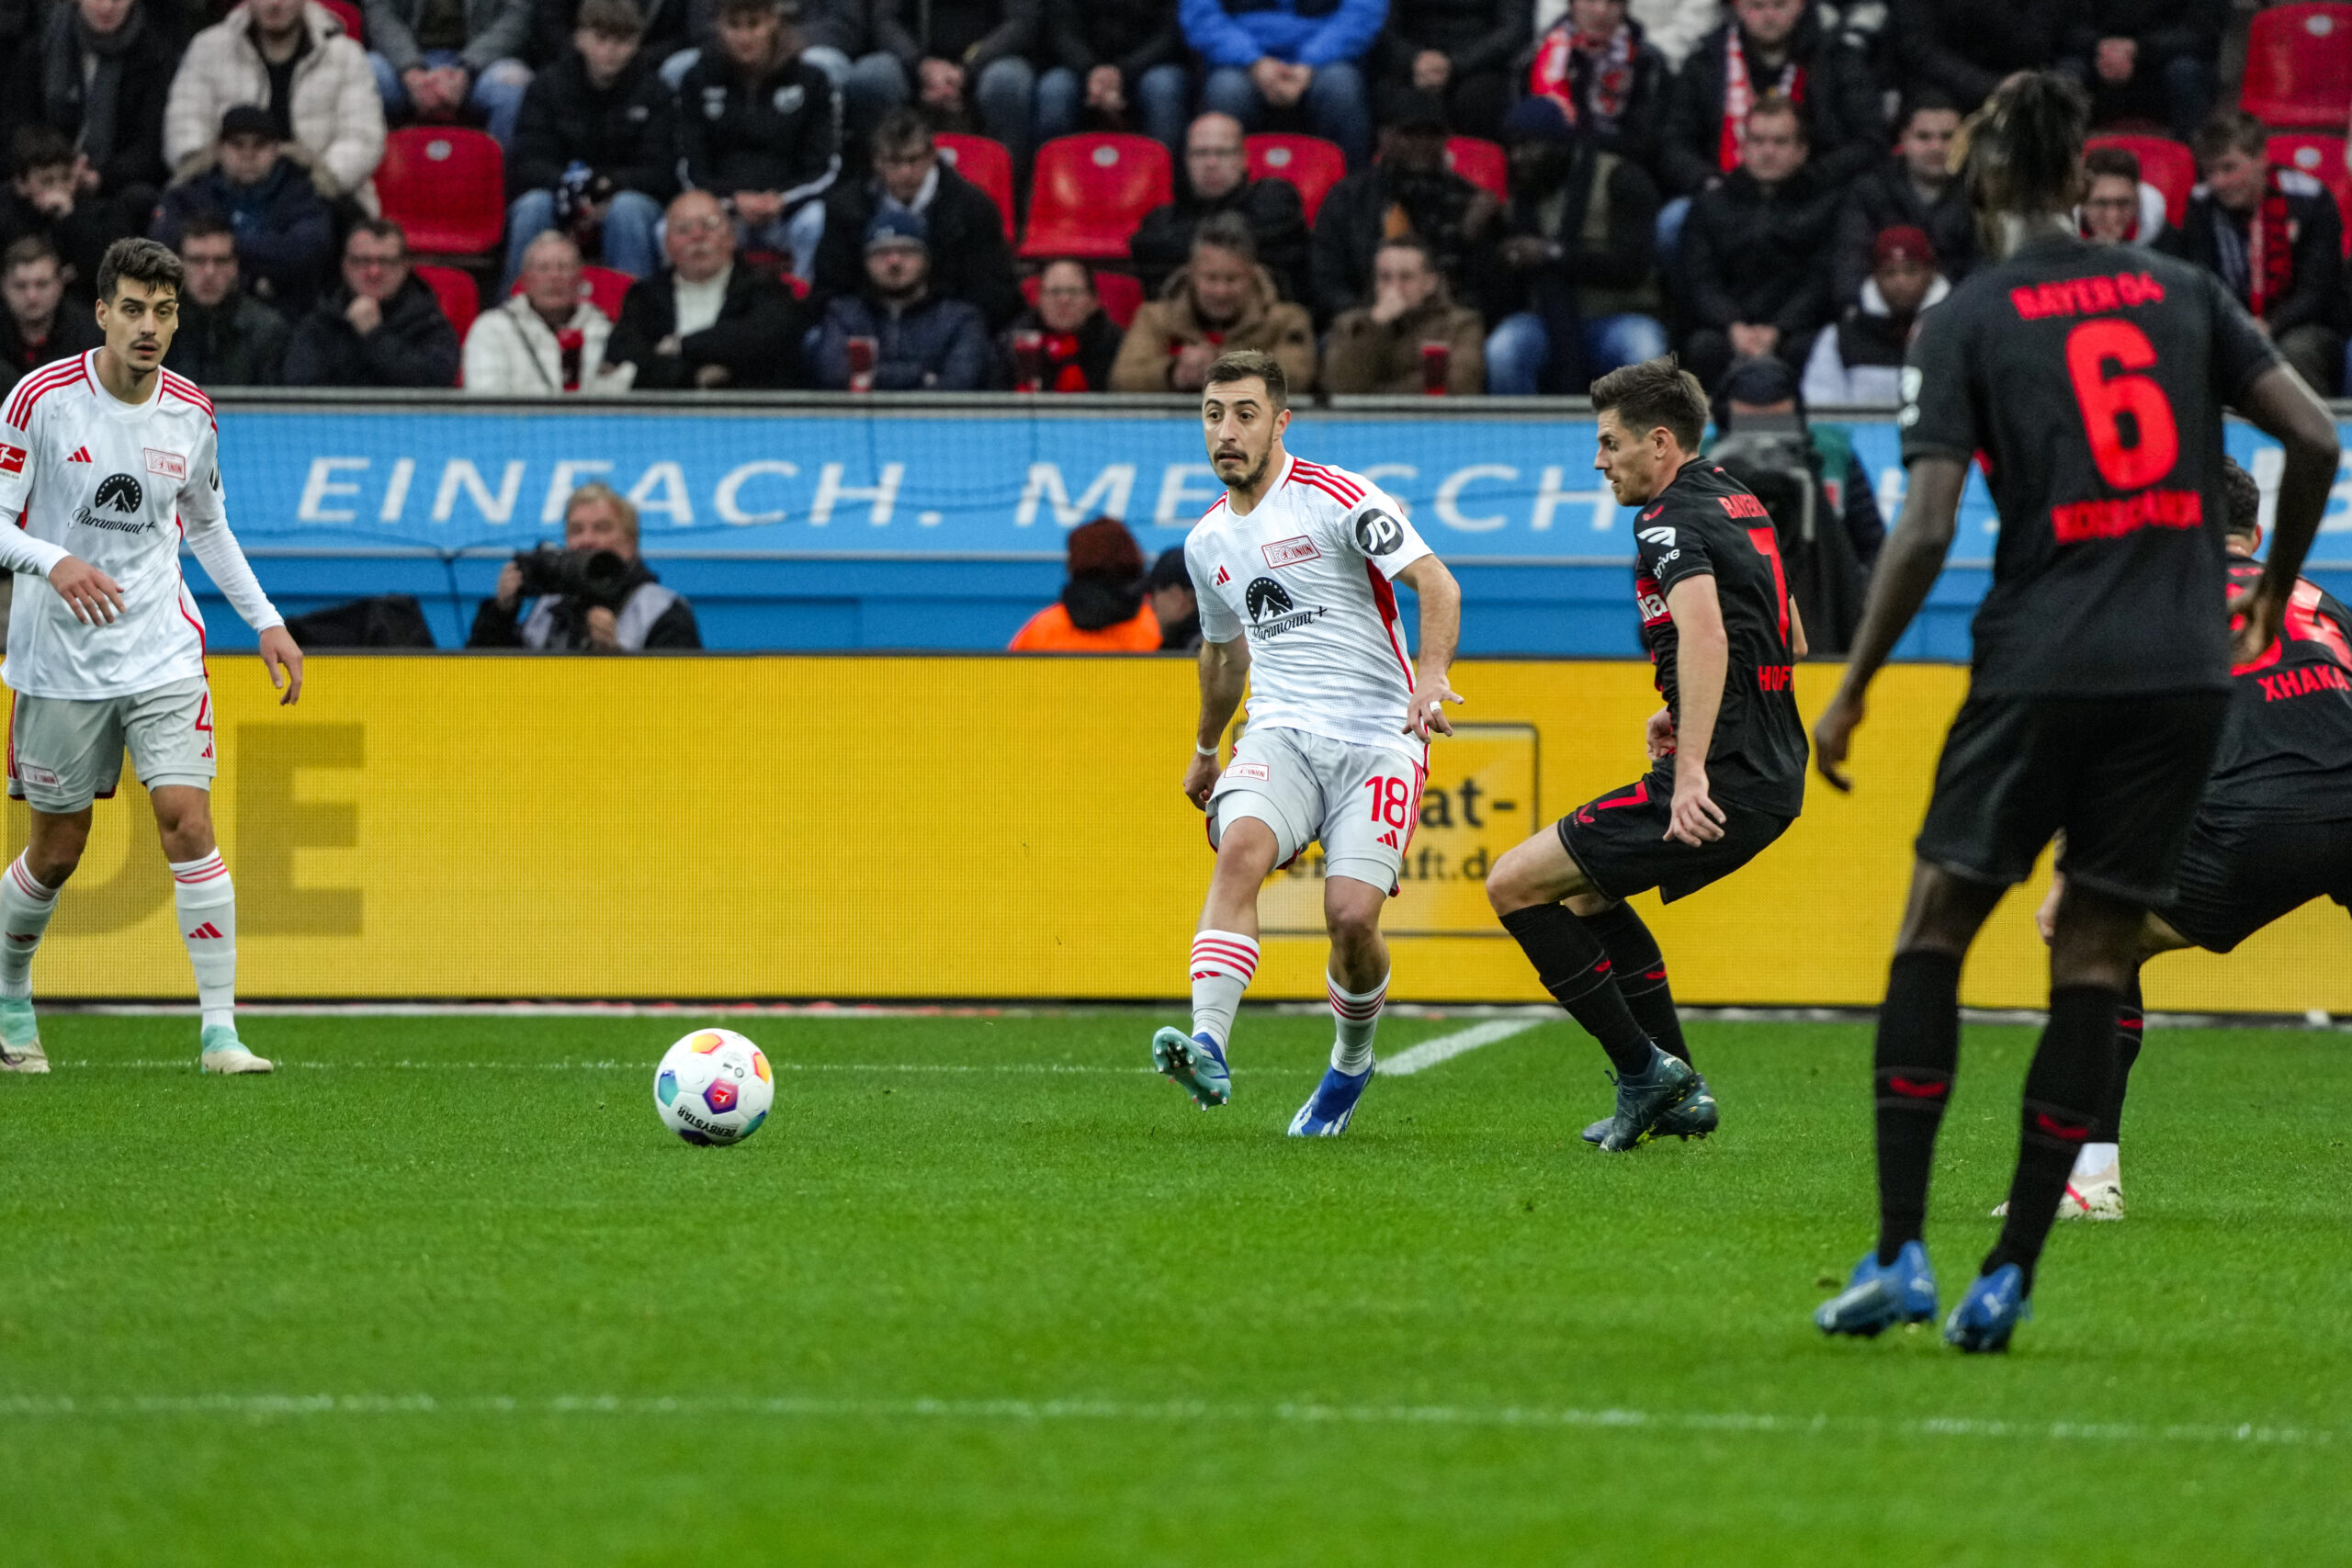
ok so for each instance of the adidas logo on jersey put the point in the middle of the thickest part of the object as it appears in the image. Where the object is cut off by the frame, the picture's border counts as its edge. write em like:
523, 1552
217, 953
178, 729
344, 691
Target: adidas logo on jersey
81, 455
1662, 537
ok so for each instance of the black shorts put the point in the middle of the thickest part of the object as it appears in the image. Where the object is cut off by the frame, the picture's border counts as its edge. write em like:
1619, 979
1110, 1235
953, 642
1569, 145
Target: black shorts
2238, 876
2120, 776
1620, 843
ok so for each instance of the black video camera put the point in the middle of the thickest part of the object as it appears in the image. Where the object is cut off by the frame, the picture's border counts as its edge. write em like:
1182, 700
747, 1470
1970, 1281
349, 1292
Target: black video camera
586, 577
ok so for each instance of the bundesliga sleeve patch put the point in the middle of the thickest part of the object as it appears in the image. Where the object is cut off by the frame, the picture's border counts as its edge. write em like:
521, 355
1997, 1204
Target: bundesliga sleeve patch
12, 458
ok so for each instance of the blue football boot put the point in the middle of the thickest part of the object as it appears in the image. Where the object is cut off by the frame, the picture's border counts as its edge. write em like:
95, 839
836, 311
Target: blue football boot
1876, 1299
1643, 1102
1989, 1311
1194, 1064
1326, 1112
1694, 1118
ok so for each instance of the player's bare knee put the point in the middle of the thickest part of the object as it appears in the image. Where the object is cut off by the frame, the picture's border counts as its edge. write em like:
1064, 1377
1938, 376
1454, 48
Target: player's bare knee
1511, 885
1944, 912
184, 820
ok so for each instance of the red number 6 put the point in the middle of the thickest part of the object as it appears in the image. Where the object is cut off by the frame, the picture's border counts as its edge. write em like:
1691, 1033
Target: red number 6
2154, 446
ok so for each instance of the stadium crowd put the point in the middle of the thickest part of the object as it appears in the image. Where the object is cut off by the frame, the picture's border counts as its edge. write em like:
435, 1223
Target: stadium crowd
1391, 196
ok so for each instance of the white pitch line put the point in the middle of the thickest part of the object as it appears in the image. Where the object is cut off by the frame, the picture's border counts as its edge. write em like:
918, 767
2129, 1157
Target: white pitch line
1445, 1047
56, 1407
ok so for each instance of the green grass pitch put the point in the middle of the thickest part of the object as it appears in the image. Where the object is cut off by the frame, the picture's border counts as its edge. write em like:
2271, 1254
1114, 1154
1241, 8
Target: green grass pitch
443, 1291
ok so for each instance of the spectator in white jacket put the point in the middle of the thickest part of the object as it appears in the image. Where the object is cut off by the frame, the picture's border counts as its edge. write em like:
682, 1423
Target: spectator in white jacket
547, 341
293, 59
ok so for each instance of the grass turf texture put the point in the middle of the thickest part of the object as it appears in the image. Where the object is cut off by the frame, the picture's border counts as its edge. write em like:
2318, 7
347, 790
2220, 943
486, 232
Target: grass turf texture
1285, 1350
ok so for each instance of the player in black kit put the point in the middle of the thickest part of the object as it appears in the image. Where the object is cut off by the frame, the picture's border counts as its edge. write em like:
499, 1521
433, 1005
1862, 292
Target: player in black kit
2273, 832
2090, 380
1723, 636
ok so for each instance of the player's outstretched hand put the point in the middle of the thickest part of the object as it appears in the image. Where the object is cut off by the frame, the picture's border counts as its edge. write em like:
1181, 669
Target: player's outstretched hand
1661, 734
1696, 819
1426, 712
2256, 621
1201, 778
94, 598
282, 656
1833, 732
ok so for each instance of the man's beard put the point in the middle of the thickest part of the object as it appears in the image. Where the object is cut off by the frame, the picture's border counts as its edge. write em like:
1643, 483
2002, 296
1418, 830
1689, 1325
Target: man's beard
1250, 480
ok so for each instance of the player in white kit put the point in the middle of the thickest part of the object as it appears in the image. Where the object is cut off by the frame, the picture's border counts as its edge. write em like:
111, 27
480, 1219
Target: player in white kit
1293, 570
107, 462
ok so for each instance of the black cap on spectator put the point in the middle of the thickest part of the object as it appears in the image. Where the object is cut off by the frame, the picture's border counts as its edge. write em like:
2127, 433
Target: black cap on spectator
1760, 381
1168, 570
247, 119
1538, 120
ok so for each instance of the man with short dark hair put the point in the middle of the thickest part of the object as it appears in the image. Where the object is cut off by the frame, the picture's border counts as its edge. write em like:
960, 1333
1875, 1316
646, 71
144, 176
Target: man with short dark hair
43, 198
760, 128
1409, 190
1913, 189
285, 233
1220, 302
2119, 206
921, 342
383, 328
1215, 178
1728, 750
438, 60
1385, 347
595, 146
2275, 238
707, 320
39, 328
970, 259
1756, 251
226, 337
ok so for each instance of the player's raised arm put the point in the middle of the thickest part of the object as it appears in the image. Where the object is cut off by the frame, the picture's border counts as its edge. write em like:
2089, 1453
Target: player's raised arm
1440, 599
2277, 403
204, 515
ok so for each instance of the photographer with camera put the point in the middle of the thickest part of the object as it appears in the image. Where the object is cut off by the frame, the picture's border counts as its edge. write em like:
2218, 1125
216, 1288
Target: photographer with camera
595, 595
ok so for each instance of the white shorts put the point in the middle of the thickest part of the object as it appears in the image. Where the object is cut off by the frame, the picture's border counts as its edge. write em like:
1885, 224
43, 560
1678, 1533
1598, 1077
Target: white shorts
1362, 802
63, 753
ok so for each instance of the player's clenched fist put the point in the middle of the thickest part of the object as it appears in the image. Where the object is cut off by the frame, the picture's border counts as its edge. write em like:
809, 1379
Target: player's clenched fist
94, 598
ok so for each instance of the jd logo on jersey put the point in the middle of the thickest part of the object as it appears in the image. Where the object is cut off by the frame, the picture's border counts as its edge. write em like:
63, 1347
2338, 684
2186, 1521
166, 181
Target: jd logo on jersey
116, 506
1379, 534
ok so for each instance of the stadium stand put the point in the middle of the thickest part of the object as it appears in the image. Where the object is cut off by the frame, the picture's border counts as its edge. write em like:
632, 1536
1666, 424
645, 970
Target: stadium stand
983, 161
1481, 163
446, 186
2298, 65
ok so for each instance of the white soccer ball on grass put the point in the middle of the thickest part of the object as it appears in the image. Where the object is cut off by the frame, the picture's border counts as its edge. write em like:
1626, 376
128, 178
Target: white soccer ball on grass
713, 1088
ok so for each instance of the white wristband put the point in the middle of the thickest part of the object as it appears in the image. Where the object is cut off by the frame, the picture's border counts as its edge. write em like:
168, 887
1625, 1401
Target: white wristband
1201, 750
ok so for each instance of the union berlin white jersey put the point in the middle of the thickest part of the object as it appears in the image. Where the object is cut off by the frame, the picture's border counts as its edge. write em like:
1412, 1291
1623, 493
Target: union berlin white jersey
1305, 576
117, 484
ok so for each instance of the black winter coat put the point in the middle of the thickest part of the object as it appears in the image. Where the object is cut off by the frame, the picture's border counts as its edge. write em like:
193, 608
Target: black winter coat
626, 132
2315, 297
969, 258
757, 335
73, 331
1843, 119
147, 70
1348, 229
554, 21
238, 342
1164, 240
972, 33
2163, 29
81, 237
1475, 35
412, 346
1579, 278
782, 134
1134, 35
1965, 46
1750, 254
1885, 199
284, 229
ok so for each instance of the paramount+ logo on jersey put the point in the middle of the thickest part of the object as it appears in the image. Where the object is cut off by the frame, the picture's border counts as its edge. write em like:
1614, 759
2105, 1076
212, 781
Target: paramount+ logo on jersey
116, 506
1271, 613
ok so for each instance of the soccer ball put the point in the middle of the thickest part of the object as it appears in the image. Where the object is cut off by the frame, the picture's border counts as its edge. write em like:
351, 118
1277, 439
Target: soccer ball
714, 1087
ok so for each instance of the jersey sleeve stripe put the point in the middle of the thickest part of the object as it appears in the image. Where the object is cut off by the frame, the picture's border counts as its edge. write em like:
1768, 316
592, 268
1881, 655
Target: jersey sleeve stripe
186, 391
20, 407
1334, 483
1327, 489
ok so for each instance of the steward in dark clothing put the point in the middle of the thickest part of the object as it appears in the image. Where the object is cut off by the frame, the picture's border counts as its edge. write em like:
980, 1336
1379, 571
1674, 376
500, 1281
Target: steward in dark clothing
626, 133
1840, 101
1761, 255
782, 133
1965, 46
1613, 92
238, 342
1886, 198
114, 114
1272, 208
2298, 298
1410, 189
756, 338
1481, 39
412, 346
284, 228
969, 258
1070, 362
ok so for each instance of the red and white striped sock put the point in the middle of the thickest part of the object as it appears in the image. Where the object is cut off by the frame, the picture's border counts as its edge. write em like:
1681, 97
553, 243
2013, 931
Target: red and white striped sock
1357, 1016
25, 908
207, 904
1223, 963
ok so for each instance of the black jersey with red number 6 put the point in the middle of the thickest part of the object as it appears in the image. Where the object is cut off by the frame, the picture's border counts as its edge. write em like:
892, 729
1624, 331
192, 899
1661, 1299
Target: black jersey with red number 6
2090, 380
1706, 524
2287, 747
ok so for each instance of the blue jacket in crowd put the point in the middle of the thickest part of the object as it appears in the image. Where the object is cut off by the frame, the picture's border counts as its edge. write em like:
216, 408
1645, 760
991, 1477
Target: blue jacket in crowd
935, 344
1300, 32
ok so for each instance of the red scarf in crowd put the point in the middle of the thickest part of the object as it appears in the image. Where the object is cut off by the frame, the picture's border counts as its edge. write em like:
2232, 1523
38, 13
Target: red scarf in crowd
1063, 373
1604, 66
1739, 97
2269, 251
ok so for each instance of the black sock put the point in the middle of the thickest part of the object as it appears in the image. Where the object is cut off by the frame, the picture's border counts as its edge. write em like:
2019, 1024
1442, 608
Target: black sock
2064, 1087
1635, 959
1570, 961
2130, 1020
1919, 1051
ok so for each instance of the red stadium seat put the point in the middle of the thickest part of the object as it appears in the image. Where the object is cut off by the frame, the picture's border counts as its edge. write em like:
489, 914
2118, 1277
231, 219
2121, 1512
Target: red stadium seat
1309, 163
1088, 192
1482, 163
2298, 65
354, 27
461, 297
601, 287
446, 186
1120, 293
2322, 157
2163, 163
983, 161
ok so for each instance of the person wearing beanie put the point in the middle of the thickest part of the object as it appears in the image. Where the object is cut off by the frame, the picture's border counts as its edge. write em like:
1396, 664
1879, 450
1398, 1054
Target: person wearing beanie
284, 229
922, 342
1858, 362
1103, 607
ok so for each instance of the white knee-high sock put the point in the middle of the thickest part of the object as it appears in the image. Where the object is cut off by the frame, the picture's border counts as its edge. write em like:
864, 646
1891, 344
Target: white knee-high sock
25, 908
208, 911
1223, 963
1357, 1016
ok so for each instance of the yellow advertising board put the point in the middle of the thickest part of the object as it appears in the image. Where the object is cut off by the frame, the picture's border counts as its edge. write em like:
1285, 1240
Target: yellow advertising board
718, 827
